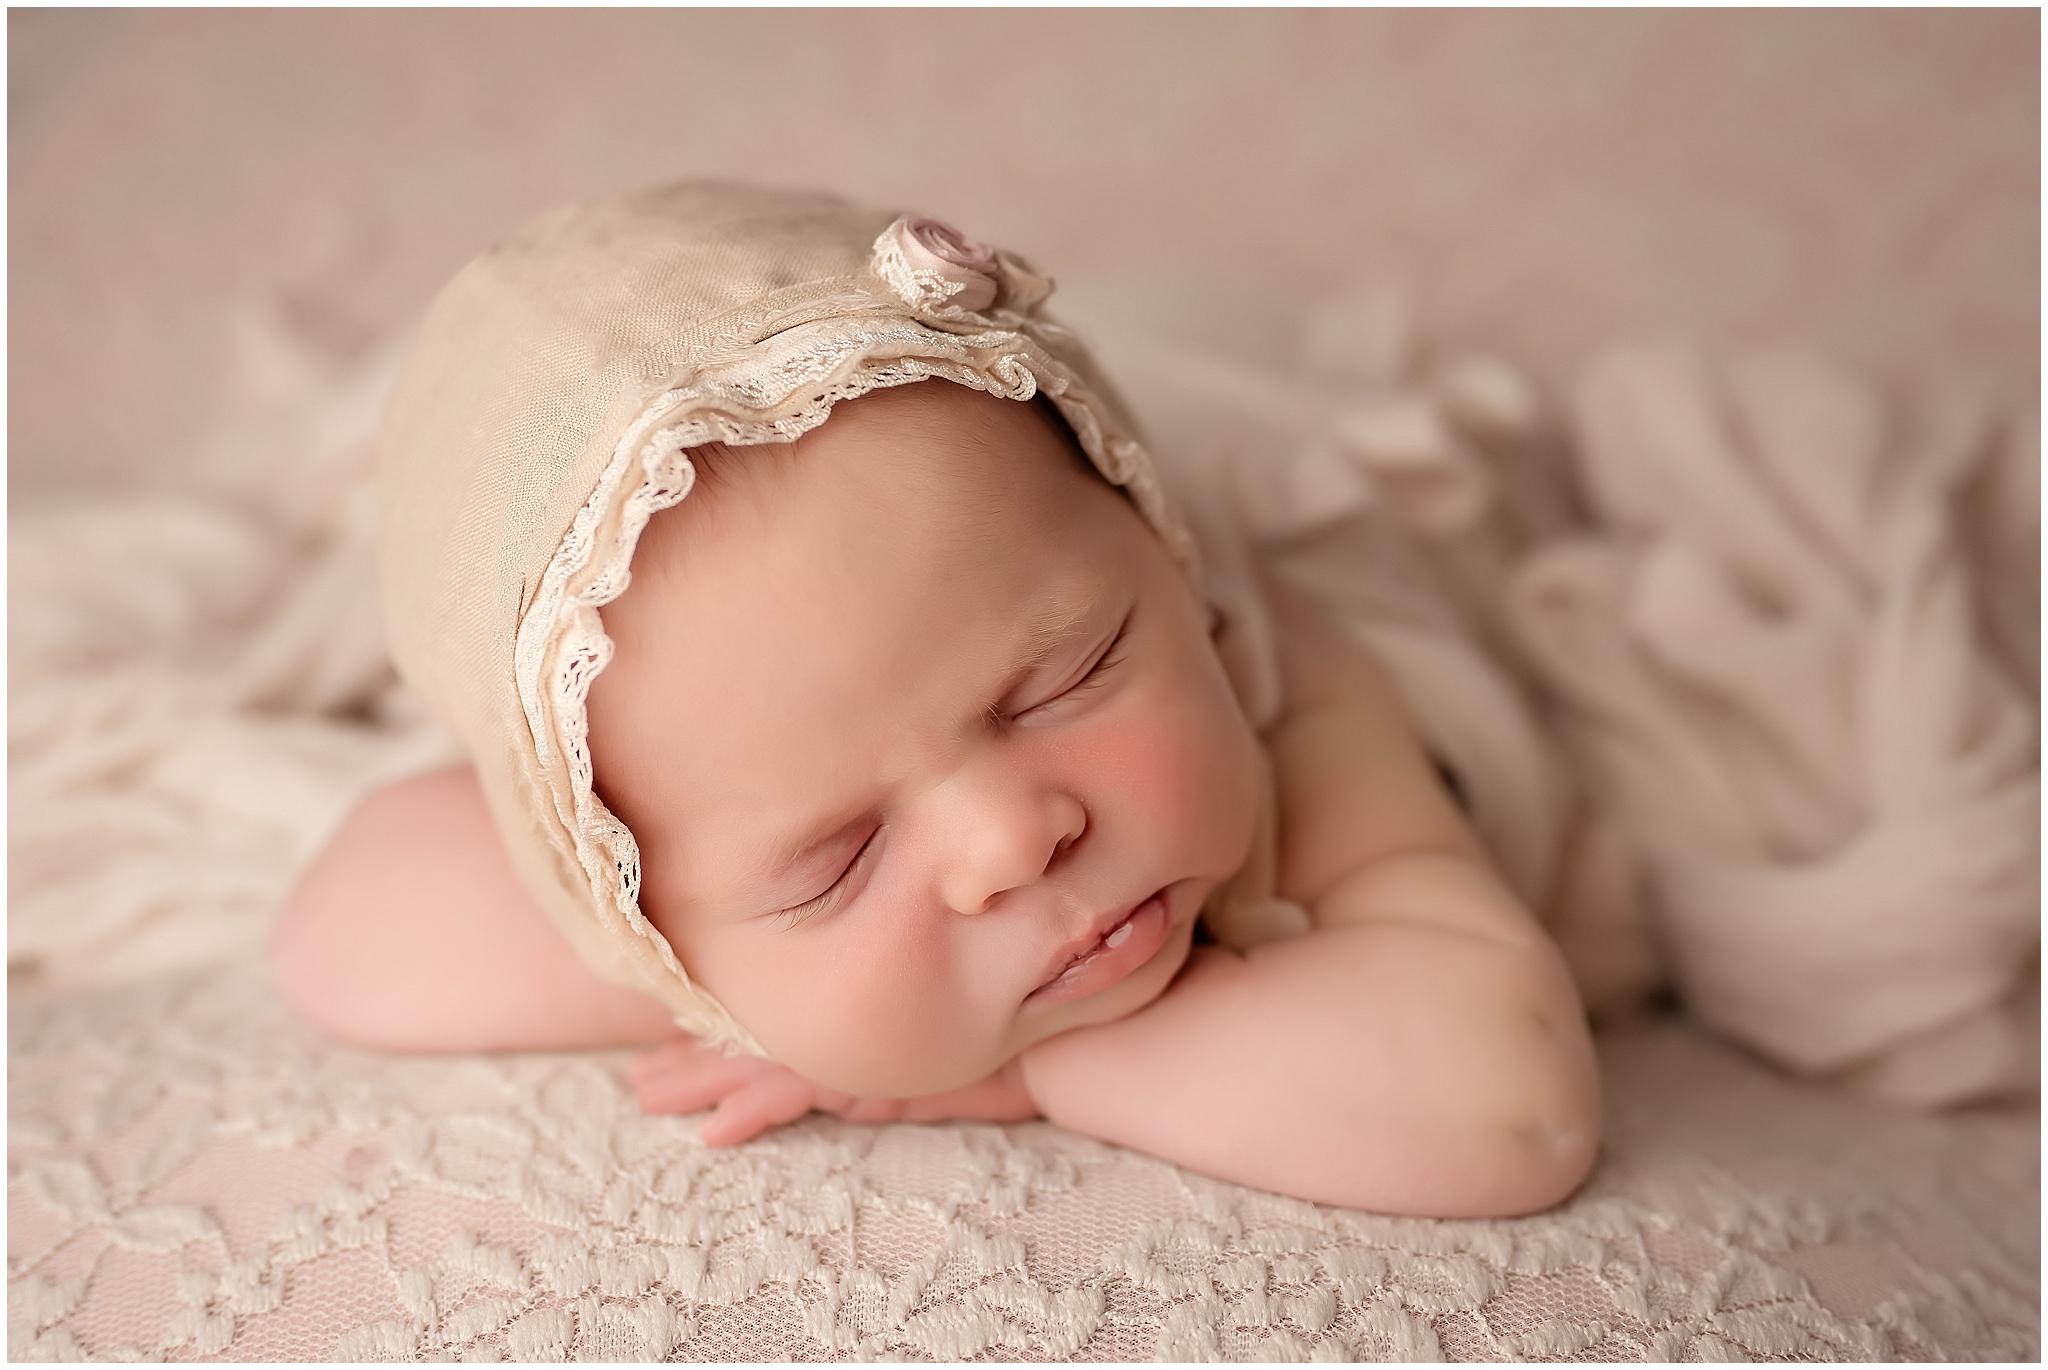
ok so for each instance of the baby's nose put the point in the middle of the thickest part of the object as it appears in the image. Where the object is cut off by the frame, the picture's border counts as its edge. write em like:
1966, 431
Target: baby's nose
1004, 843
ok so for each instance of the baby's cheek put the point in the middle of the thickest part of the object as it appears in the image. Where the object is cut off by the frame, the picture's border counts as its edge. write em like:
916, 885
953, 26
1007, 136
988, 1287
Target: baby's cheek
862, 1012
1185, 771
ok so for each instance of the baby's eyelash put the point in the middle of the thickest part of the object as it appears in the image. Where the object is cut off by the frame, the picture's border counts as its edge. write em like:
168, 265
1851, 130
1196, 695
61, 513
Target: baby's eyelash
830, 897
1109, 658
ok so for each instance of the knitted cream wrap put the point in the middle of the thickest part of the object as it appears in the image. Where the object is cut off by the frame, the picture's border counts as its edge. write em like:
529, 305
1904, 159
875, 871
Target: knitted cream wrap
547, 411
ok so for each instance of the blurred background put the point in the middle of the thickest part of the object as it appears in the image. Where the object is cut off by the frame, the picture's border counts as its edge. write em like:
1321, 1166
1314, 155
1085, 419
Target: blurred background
1542, 184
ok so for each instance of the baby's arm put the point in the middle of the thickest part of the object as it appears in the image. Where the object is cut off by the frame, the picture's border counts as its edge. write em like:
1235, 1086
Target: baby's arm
1421, 1050
410, 932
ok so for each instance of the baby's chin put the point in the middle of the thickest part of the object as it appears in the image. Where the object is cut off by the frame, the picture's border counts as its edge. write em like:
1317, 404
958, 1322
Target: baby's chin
912, 1074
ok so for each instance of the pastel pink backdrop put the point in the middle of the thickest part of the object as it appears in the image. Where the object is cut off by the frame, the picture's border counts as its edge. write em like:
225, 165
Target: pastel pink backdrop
1543, 183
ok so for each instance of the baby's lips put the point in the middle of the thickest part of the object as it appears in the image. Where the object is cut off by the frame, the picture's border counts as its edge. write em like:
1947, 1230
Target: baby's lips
1131, 944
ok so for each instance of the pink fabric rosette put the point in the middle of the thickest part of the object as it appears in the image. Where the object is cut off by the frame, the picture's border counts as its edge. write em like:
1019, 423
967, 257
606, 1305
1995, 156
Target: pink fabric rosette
929, 245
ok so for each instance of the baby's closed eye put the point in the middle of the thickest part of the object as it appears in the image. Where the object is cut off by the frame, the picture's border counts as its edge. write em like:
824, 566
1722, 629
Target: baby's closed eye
846, 884
1095, 674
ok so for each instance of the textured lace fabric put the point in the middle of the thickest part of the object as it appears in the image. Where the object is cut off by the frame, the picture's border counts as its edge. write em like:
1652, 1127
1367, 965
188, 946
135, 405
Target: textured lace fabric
192, 1176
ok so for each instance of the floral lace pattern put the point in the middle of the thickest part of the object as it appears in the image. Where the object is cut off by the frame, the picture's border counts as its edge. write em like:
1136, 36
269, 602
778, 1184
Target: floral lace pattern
192, 1176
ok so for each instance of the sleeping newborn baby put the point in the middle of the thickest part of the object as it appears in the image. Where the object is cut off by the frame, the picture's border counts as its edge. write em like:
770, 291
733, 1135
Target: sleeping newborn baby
850, 722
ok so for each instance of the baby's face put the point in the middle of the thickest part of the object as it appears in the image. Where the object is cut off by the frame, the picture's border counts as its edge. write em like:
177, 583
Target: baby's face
924, 742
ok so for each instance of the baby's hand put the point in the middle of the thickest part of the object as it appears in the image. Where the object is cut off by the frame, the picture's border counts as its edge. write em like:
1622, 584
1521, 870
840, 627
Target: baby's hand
752, 1095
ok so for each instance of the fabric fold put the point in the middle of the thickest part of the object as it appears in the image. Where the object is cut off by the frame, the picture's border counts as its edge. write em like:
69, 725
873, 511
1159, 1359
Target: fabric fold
1777, 682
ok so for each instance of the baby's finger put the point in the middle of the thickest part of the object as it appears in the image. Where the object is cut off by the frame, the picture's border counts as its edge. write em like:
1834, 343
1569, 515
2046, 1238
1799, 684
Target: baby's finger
693, 1084
756, 1107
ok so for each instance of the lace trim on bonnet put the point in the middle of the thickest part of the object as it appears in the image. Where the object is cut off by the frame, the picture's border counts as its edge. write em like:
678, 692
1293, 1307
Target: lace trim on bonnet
774, 391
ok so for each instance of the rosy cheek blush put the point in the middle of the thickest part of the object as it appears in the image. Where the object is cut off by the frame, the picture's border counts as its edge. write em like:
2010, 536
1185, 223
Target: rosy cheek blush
1189, 785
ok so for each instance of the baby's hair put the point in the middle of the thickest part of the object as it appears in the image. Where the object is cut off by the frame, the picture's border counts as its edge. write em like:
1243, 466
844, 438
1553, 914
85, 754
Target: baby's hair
713, 465
1044, 405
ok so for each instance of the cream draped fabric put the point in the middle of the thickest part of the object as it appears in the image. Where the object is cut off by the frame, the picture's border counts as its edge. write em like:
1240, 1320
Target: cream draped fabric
1762, 723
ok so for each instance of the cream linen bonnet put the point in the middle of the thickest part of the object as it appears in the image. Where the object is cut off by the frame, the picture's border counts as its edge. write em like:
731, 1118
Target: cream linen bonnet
547, 410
